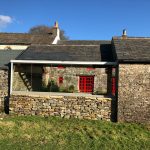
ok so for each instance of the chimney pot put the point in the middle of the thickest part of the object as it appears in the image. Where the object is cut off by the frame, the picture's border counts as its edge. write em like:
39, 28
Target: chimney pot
56, 25
124, 35
124, 32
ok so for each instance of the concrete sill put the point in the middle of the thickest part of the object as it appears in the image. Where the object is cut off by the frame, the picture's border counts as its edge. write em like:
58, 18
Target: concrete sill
49, 94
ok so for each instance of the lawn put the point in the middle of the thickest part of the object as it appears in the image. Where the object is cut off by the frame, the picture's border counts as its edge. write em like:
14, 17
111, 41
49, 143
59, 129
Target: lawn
39, 133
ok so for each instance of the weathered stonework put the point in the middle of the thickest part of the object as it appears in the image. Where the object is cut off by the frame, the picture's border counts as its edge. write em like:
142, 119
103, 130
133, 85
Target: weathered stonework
134, 93
96, 108
44, 75
22, 78
18, 84
71, 77
3, 87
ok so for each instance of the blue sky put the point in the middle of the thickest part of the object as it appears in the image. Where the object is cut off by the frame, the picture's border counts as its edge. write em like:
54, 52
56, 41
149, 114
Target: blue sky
80, 19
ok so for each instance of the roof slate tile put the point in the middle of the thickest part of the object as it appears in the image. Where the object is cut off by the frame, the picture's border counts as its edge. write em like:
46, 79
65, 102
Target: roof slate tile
25, 38
132, 49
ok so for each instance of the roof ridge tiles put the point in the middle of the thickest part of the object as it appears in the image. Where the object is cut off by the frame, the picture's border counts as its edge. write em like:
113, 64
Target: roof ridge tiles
85, 40
62, 45
19, 33
128, 38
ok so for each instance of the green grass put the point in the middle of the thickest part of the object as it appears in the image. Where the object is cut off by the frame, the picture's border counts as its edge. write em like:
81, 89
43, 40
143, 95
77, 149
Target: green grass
23, 133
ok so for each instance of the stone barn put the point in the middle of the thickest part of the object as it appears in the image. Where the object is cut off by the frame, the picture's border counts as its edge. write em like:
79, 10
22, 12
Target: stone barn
133, 58
72, 71
44, 75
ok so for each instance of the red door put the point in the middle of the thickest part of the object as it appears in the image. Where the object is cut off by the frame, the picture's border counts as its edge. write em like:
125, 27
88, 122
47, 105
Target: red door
86, 84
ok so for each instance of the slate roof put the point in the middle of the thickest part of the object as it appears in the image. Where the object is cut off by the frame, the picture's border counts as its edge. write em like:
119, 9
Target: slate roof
25, 38
105, 47
83, 42
132, 49
61, 53
6, 56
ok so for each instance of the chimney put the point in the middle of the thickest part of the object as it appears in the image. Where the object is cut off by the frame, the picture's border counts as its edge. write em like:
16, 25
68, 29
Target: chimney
124, 35
57, 33
56, 25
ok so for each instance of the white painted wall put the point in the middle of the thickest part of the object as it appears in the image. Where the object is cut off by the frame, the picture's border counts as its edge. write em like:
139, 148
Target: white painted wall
57, 38
13, 47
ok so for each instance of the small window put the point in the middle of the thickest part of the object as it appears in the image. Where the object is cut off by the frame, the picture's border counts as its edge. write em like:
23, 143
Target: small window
86, 84
113, 72
90, 68
60, 67
60, 80
113, 85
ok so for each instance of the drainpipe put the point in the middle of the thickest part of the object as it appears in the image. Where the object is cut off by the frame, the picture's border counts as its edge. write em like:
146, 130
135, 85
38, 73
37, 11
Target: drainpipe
11, 77
117, 84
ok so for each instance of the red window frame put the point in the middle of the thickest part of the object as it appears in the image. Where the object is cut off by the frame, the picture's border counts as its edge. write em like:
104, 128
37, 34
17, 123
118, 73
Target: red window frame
60, 67
90, 68
86, 84
60, 80
113, 81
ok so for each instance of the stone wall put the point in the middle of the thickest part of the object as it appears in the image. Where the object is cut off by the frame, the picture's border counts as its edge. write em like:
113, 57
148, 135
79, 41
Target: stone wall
3, 88
18, 83
22, 78
71, 74
96, 108
48, 76
134, 93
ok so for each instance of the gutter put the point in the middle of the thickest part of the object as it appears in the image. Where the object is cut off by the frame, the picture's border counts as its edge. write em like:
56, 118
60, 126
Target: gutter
62, 62
52, 62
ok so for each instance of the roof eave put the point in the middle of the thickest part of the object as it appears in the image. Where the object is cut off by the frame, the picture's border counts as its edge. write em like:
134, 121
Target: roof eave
62, 62
123, 61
